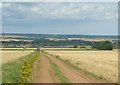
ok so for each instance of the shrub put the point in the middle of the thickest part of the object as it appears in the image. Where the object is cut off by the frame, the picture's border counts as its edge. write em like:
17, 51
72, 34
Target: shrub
75, 46
104, 45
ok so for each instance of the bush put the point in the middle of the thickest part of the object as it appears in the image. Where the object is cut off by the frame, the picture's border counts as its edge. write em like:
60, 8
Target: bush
75, 46
104, 45
82, 47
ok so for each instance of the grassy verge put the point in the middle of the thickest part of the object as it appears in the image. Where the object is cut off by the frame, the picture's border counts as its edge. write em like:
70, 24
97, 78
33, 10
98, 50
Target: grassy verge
80, 69
19, 70
75, 67
58, 73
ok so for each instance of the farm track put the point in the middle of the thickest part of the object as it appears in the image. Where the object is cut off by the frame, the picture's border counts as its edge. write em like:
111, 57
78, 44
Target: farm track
73, 75
46, 75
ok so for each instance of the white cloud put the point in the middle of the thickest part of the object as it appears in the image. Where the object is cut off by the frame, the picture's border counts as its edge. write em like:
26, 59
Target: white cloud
7, 5
0, 17
0, 5
97, 11
60, 0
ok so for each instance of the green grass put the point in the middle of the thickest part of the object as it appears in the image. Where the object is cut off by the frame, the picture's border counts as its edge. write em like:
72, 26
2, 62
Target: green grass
11, 71
0, 74
58, 73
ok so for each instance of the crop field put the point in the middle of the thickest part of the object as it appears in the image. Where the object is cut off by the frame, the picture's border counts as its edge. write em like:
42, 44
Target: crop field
17, 48
8, 56
101, 64
45, 67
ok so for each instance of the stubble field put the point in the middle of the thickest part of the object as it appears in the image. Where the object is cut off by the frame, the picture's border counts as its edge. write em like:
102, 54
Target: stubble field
8, 56
102, 64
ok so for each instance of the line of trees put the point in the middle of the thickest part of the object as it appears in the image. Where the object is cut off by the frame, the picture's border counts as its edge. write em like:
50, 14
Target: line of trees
104, 45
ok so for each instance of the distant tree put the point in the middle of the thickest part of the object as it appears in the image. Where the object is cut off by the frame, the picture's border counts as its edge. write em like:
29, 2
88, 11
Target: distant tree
104, 45
82, 47
75, 46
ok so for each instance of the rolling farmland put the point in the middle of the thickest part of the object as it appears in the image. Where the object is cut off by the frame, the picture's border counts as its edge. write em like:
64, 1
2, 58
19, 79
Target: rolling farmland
64, 43
102, 64
94, 66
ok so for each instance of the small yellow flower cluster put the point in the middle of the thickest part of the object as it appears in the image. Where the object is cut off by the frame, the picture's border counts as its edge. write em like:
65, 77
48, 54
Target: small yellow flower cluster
26, 70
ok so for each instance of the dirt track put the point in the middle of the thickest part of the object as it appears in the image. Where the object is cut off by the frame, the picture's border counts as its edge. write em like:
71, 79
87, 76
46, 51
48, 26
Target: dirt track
44, 72
46, 75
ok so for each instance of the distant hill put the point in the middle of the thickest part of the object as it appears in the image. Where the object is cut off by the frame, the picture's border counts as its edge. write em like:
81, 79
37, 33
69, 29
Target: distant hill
63, 36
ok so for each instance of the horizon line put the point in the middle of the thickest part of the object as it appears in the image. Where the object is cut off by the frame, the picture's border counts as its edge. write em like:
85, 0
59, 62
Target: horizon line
61, 34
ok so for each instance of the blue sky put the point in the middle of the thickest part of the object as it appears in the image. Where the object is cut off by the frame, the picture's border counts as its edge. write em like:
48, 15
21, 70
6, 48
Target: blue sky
61, 18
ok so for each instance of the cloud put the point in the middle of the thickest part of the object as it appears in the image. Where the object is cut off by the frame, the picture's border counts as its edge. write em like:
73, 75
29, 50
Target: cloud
6, 5
83, 11
61, 0
0, 12
0, 4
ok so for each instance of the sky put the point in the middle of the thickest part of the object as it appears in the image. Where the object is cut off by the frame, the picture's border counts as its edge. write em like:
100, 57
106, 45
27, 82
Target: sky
90, 18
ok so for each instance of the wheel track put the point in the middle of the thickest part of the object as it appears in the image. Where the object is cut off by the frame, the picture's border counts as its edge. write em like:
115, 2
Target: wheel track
44, 73
73, 75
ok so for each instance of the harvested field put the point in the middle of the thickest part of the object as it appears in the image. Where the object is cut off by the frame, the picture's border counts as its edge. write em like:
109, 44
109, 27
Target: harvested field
8, 56
102, 64
18, 48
